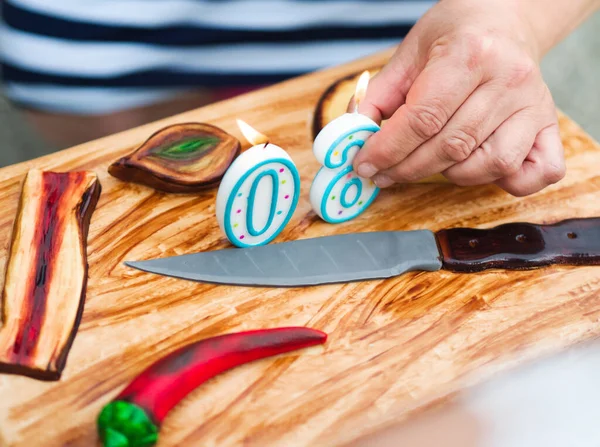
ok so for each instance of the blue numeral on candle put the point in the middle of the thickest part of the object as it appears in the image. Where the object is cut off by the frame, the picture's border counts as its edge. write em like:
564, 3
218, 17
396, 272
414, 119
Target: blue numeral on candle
337, 194
262, 202
272, 174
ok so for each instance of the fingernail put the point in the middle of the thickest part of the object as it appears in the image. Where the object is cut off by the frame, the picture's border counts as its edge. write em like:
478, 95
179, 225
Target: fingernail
382, 181
366, 170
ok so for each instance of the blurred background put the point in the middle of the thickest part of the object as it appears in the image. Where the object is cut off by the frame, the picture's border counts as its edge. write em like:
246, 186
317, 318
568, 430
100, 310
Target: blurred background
572, 70
553, 402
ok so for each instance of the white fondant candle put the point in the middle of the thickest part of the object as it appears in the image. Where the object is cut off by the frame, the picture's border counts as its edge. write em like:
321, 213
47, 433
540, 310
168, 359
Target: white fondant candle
337, 193
257, 195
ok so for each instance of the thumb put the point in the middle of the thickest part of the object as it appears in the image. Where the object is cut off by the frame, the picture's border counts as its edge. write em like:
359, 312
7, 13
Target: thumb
387, 90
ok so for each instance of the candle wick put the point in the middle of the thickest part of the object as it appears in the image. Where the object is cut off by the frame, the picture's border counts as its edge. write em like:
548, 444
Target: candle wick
266, 144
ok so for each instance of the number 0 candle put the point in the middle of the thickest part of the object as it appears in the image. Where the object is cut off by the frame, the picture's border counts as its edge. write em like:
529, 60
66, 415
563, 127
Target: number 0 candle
259, 192
337, 193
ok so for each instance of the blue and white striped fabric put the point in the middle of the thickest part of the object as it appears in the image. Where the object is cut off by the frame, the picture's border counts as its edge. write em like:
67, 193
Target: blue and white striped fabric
99, 56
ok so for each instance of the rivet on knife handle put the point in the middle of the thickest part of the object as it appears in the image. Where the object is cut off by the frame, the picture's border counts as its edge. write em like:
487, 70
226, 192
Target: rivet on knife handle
519, 246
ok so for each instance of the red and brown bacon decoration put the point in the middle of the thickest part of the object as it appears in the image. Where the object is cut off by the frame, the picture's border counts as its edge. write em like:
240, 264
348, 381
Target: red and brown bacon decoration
46, 275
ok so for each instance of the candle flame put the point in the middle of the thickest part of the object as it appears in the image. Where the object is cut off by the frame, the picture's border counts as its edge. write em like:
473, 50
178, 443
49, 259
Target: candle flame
253, 136
361, 88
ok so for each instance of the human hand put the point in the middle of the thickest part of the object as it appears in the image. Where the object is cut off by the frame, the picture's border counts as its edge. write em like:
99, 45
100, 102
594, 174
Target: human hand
464, 96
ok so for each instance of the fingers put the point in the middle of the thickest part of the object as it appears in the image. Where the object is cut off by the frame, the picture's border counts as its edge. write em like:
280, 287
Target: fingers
386, 92
544, 166
501, 155
387, 89
478, 117
434, 97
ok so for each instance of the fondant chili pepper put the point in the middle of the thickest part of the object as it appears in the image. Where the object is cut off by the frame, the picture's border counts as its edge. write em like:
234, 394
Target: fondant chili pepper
133, 418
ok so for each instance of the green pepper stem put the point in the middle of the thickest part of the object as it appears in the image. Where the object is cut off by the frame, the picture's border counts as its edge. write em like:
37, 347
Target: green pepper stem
123, 424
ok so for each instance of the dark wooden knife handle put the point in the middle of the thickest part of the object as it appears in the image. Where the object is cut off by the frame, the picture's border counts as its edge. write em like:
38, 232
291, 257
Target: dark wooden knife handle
519, 246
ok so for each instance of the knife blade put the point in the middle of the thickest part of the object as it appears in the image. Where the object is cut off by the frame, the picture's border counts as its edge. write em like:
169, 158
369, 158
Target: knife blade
384, 254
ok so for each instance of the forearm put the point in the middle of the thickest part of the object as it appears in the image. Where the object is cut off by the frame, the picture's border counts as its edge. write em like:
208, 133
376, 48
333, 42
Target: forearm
553, 20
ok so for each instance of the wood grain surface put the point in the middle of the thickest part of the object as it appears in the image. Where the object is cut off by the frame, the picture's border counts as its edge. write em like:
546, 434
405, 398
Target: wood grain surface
395, 346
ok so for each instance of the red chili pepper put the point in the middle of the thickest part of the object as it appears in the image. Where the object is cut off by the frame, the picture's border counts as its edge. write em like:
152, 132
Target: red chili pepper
133, 418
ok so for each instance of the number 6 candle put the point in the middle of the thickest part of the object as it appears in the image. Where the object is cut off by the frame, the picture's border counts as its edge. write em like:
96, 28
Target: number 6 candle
337, 193
259, 192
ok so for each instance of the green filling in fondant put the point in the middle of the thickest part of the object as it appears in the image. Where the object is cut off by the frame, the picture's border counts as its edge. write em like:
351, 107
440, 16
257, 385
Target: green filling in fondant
187, 149
123, 424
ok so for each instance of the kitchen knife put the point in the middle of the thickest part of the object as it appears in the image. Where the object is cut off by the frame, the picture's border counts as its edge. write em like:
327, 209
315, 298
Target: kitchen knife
377, 255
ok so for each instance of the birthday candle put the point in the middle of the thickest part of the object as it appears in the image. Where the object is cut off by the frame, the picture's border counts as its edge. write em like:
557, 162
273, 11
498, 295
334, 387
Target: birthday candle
337, 193
259, 192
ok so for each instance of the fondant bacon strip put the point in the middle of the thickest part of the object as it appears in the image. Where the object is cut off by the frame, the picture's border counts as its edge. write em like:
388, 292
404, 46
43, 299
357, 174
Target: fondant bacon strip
46, 274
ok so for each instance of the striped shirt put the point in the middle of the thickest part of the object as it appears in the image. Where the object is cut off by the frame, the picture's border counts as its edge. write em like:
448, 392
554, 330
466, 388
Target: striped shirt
101, 56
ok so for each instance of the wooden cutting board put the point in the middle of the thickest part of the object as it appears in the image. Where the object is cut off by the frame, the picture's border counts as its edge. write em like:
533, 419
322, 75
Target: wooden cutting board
395, 346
